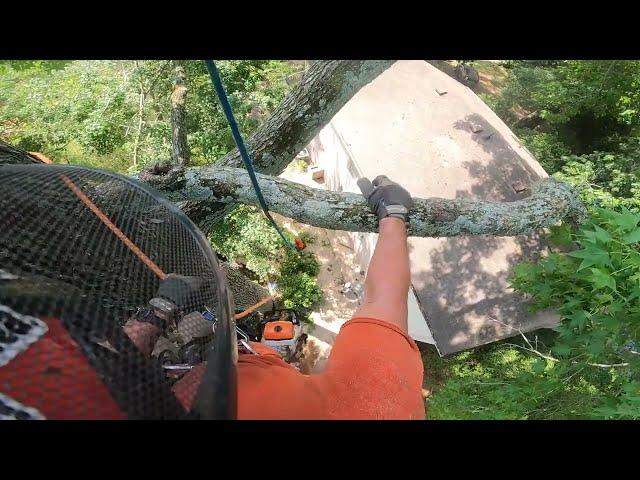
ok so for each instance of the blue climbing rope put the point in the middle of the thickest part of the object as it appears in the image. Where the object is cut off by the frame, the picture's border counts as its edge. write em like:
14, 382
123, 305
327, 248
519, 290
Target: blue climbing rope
237, 137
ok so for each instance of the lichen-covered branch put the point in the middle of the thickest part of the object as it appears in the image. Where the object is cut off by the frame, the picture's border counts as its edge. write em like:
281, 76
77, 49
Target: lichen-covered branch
322, 91
204, 192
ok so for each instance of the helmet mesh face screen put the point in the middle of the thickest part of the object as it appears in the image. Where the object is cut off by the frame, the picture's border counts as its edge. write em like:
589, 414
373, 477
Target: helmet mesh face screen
105, 294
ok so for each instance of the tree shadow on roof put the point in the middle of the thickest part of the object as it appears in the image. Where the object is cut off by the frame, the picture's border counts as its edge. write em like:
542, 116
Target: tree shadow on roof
464, 289
496, 179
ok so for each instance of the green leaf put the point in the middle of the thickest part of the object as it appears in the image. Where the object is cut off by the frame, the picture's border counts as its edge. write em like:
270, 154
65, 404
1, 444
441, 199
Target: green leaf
578, 319
562, 349
538, 366
633, 237
608, 322
591, 256
626, 220
526, 271
606, 412
602, 235
602, 279
632, 388
596, 346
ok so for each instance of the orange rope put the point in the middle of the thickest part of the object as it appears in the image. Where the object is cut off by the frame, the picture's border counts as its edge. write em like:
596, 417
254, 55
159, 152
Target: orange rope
40, 156
246, 312
116, 231
133, 247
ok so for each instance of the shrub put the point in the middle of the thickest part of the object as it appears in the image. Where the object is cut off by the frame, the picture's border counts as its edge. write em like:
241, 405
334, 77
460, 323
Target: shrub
246, 234
589, 367
596, 291
546, 147
297, 280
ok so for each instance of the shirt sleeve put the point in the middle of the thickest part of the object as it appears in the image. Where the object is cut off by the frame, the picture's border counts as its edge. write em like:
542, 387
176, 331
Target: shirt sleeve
374, 371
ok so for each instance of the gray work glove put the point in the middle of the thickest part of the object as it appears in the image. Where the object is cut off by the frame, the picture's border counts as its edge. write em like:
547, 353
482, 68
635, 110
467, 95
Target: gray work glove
386, 198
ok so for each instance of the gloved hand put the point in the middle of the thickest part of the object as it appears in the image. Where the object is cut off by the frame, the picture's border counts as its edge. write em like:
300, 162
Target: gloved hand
177, 295
181, 290
386, 198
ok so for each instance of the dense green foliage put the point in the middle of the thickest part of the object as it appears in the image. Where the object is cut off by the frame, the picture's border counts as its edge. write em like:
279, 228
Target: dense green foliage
589, 121
607, 179
589, 367
116, 114
246, 237
298, 280
596, 290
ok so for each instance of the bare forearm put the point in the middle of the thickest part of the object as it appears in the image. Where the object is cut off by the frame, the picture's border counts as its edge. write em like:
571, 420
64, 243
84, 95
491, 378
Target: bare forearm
388, 277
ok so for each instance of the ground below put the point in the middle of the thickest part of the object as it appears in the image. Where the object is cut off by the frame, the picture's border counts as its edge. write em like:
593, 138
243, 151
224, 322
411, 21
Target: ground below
340, 279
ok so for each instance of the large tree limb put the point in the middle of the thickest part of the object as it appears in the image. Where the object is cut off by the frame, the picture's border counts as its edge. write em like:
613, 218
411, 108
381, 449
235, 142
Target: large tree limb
204, 192
323, 90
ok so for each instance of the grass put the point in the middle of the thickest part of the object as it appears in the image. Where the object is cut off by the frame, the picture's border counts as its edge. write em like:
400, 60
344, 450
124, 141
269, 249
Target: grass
463, 385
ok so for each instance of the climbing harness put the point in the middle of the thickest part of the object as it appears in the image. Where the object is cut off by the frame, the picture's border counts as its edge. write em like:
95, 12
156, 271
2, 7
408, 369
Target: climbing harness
237, 137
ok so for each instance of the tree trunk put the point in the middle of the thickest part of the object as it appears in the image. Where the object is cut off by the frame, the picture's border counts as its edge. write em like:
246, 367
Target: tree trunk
531, 120
180, 150
323, 90
136, 143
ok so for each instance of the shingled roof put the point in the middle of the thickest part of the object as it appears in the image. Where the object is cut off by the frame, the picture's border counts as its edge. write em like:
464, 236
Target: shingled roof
422, 128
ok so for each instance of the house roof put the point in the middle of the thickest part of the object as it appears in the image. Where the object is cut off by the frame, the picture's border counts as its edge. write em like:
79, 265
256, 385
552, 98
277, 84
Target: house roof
448, 145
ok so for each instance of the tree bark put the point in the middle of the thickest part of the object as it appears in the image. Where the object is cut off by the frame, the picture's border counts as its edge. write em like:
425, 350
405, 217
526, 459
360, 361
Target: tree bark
141, 99
180, 147
203, 193
531, 120
323, 90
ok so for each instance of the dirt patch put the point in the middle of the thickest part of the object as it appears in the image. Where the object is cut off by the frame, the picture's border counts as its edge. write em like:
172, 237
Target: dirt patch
340, 278
493, 77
